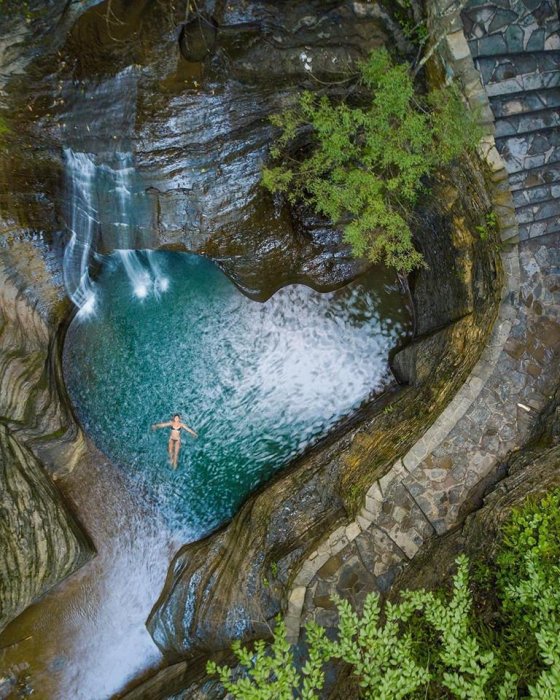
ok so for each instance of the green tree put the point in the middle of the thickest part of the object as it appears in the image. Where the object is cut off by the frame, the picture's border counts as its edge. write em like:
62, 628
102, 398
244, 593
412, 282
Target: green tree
365, 166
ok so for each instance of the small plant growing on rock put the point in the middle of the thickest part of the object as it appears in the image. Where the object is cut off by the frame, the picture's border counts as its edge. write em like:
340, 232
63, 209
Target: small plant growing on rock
269, 673
364, 167
489, 227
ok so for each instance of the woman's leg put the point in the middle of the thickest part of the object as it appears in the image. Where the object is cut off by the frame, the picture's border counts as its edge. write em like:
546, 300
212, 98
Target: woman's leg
170, 451
176, 454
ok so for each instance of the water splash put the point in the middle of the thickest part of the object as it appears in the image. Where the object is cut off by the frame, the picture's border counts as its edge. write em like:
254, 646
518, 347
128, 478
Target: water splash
144, 273
161, 281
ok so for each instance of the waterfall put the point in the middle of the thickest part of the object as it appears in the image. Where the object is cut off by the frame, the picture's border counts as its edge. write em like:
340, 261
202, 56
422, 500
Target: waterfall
83, 225
104, 200
161, 282
139, 277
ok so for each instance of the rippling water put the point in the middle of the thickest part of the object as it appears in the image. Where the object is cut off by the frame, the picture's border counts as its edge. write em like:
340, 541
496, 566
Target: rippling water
259, 382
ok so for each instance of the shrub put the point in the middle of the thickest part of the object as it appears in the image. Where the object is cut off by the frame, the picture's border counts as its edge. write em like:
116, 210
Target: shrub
431, 645
382, 648
270, 673
364, 166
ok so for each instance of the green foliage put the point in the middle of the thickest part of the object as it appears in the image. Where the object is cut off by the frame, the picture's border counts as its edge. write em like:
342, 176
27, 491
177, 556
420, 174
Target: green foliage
416, 32
536, 601
4, 128
526, 577
533, 529
489, 227
270, 673
381, 646
379, 653
430, 645
365, 166
465, 666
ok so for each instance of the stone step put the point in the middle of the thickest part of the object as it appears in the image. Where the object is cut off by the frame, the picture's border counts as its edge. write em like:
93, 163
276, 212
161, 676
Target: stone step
526, 71
495, 28
540, 211
537, 195
497, 46
528, 123
525, 180
532, 150
524, 83
509, 105
539, 228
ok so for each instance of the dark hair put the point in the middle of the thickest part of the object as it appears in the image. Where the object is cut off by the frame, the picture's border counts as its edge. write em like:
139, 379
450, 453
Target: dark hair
176, 415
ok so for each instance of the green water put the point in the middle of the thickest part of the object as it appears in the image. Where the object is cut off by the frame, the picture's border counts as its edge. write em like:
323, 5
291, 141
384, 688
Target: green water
259, 382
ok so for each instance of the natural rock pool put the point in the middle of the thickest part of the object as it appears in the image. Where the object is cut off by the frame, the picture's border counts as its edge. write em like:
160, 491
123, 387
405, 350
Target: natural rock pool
259, 382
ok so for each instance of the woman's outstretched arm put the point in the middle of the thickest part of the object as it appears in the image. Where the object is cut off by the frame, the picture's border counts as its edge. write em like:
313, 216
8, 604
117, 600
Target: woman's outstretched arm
161, 425
189, 430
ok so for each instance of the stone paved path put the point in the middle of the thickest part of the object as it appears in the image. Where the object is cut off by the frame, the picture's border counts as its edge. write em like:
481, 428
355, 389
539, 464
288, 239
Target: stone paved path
515, 48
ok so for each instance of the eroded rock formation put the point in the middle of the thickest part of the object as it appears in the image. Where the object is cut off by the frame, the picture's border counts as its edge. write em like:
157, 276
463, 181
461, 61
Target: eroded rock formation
199, 132
41, 541
115, 80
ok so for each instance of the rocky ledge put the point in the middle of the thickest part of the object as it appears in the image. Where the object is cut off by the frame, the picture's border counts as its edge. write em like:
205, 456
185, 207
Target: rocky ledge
199, 132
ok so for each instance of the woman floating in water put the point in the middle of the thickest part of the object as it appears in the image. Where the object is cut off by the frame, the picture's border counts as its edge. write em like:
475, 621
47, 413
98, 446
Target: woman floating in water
175, 438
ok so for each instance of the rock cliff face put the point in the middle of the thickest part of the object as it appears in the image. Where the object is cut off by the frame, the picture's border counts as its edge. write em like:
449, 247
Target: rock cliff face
32, 397
41, 541
115, 80
109, 77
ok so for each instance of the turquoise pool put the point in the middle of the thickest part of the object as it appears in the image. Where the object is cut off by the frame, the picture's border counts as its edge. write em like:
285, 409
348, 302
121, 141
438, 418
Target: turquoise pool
259, 382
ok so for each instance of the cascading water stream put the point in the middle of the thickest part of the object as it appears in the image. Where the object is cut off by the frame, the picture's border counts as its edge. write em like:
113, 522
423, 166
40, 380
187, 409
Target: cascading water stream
103, 200
143, 273
83, 222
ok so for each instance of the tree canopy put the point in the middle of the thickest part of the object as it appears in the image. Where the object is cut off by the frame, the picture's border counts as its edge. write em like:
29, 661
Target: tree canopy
365, 166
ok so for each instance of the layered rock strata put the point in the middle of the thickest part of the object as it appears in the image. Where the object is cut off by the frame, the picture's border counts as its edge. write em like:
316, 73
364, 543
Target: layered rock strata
41, 540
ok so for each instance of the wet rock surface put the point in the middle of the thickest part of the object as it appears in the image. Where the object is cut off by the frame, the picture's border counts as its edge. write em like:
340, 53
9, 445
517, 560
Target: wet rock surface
115, 80
415, 503
41, 541
33, 403
199, 132
443, 478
